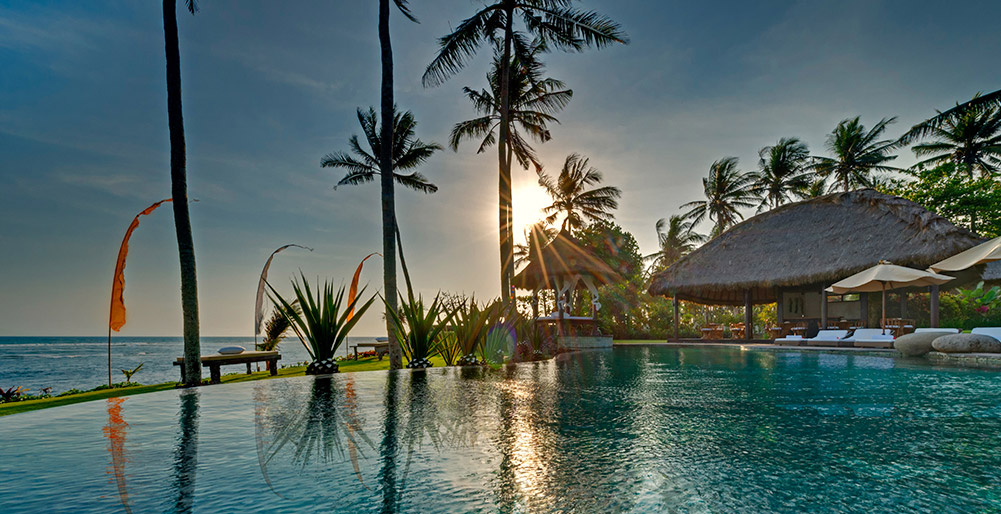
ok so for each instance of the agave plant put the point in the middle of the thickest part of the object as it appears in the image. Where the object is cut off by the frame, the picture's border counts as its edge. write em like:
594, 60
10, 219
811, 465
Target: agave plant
469, 329
449, 348
418, 329
500, 338
319, 321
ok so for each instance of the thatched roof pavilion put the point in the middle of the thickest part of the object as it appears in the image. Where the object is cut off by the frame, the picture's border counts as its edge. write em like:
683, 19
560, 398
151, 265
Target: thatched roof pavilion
561, 260
790, 254
819, 241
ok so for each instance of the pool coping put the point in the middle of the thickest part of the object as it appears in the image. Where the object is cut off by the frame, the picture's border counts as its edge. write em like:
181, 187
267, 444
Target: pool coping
972, 360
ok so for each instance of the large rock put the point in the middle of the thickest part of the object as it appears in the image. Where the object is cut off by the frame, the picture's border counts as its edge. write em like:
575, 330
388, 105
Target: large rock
918, 343
967, 343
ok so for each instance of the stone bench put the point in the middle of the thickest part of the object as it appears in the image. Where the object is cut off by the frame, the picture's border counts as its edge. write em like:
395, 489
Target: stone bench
214, 361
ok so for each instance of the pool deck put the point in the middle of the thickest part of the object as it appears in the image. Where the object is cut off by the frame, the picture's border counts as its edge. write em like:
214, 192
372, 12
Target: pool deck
975, 360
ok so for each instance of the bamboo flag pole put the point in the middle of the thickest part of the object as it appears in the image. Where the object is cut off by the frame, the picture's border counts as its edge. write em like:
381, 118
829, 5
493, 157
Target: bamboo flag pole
116, 315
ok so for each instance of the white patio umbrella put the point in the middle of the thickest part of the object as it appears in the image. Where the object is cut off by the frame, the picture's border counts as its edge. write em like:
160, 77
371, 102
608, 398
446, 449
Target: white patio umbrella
886, 275
980, 254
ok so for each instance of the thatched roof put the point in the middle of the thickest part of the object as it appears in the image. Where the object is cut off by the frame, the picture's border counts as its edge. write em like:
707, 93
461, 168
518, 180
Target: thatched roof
819, 241
561, 258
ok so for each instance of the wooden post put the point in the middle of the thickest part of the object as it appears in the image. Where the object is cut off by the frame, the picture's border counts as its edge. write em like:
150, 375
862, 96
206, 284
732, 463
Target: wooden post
677, 318
779, 318
748, 316
864, 308
823, 308
934, 307
903, 304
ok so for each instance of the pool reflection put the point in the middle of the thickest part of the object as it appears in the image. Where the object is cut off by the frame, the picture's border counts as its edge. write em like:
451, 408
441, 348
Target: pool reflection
186, 453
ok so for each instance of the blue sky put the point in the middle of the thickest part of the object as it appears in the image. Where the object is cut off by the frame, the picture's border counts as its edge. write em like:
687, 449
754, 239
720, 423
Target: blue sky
270, 87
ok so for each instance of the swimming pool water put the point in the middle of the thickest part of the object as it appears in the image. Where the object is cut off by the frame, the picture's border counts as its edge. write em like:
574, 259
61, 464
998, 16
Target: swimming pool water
624, 430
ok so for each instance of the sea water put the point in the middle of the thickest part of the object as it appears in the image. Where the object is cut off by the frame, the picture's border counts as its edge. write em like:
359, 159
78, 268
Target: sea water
82, 362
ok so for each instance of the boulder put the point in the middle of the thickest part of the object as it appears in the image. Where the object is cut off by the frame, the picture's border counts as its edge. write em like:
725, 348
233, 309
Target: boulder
967, 343
916, 344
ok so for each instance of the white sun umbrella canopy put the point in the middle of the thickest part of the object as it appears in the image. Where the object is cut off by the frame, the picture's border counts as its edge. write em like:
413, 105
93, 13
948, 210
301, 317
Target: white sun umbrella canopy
886, 275
980, 254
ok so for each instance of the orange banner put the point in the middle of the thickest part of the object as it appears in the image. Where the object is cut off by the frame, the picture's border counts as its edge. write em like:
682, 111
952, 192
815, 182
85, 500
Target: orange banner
353, 290
117, 319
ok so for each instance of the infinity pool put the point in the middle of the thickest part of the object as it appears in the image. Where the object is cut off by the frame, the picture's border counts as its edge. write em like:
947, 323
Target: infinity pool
624, 430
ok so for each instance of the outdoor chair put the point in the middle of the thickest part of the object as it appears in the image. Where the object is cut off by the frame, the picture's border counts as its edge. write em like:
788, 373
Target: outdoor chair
828, 338
947, 330
790, 340
994, 332
871, 338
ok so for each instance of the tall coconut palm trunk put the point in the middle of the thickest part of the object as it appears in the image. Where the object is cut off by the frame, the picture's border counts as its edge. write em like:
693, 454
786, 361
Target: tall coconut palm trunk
386, 180
179, 192
504, 162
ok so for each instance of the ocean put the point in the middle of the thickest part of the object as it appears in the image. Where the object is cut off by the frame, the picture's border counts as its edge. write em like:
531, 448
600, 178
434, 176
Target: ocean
64, 363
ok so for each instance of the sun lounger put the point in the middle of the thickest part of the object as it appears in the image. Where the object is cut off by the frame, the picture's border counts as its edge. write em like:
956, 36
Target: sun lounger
828, 338
790, 341
872, 338
866, 334
994, 332
945, 330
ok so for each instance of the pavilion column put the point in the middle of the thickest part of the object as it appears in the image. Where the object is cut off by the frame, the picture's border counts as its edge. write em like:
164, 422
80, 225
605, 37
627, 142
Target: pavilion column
823, 308
778, 307
903, 305
934, 307
864, 307
748, 316
677, 318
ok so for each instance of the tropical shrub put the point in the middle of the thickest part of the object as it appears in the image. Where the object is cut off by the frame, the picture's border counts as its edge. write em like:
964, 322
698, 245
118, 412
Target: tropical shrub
275, 328
448, 347
11, 394
417, 328
470, 330
129, 372
319, 321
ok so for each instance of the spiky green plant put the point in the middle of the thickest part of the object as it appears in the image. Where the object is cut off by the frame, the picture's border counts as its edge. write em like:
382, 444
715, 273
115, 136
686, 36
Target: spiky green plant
448, 347
129, 372
417, 328
322, 322
469, 329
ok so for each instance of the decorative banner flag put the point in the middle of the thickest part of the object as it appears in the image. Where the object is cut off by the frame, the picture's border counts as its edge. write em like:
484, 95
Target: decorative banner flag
353, 290
117, 316
259, 306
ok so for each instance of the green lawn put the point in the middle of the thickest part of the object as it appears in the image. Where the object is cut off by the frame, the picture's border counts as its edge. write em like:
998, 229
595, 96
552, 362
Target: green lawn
346, 366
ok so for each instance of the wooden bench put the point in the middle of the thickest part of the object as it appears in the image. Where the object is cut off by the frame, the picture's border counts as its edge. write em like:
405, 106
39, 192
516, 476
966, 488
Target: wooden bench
215, 360
379, 348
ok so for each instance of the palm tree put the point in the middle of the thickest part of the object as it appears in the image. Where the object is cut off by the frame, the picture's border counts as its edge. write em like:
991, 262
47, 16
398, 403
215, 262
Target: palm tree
534, 101
676, 242
814, 189
408, 153
388, 106
857, 154
572, 198
990, 100
970, 137
536, 237
782, 171
553, 21
179, 192
727, 191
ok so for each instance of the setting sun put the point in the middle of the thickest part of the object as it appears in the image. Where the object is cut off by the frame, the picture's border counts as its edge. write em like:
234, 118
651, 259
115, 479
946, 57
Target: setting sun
529, 199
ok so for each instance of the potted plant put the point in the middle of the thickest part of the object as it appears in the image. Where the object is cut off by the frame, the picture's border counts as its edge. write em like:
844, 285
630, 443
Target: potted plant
322, 322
